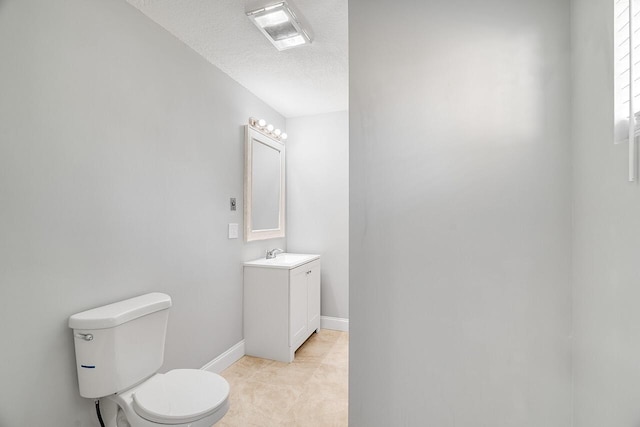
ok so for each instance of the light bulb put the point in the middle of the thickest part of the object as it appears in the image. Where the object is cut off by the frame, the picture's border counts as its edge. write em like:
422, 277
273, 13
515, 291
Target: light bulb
262, 123
277, 132
283, 136
270, 127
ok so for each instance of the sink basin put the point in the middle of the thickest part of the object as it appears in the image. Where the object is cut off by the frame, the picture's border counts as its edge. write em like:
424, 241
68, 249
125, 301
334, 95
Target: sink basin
285, 260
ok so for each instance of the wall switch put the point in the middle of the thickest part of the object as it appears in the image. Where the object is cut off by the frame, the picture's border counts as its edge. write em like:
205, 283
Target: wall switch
233, 231
232, 203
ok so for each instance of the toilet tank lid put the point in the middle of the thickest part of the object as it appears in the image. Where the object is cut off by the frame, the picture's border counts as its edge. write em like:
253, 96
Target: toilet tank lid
109, 316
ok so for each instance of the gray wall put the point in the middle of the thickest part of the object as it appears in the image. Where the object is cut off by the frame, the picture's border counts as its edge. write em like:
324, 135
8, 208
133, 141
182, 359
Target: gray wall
318, 200
119, 150
460, 213
606, 256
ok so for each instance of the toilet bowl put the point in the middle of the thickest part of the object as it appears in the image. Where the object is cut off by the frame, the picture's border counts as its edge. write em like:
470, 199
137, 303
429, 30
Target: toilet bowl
119, 350
180, 398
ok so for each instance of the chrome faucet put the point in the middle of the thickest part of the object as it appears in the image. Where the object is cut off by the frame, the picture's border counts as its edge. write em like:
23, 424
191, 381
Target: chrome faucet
273, 252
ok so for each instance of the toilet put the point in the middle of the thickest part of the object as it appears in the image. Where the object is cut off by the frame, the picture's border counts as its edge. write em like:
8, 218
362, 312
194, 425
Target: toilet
119, 350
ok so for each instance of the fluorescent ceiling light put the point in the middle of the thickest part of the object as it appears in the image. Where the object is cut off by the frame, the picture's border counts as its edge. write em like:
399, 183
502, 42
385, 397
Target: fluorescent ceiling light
280, 22
271, 19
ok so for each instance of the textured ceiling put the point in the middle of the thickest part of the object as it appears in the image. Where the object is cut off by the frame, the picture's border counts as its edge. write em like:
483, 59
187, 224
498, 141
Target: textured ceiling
297, 82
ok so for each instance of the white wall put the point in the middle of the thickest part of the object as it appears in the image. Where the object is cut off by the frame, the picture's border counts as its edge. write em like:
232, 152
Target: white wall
606, 240
119, 150
318, 200
460, 213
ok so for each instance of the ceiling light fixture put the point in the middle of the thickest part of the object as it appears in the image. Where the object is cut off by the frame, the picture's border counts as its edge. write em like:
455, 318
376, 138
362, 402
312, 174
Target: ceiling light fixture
280, 22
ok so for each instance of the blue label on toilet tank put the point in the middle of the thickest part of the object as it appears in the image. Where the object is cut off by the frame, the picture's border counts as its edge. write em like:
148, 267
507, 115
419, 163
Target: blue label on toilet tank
88, 366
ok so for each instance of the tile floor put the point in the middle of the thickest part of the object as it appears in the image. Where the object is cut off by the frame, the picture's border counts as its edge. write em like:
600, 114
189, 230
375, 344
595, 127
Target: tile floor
309, 392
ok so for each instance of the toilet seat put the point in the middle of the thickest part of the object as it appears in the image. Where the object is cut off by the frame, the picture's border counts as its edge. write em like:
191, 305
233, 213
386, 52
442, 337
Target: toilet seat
180, 396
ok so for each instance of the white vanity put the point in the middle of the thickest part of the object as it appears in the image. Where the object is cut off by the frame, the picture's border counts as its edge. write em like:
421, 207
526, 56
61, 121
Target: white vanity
281, 304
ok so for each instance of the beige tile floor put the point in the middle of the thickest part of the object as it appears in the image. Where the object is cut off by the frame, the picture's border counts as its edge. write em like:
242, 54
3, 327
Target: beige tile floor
309, 392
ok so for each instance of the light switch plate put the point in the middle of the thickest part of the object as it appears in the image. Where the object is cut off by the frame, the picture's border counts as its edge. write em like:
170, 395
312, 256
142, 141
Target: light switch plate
233, 231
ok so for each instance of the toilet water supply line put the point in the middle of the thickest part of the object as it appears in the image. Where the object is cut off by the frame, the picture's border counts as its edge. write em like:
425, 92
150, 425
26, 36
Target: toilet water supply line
97, 402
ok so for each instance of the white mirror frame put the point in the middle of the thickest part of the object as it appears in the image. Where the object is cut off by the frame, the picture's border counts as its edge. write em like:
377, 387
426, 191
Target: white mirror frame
250, 234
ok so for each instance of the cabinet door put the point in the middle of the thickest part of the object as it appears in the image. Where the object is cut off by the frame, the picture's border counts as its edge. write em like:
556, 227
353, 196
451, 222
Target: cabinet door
298, 306
313, 297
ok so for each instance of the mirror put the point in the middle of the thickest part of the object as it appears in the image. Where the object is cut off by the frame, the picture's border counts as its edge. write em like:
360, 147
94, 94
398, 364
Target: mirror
264, 190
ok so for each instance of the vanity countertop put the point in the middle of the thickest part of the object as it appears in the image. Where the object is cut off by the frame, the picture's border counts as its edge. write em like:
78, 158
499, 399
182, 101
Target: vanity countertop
284, 261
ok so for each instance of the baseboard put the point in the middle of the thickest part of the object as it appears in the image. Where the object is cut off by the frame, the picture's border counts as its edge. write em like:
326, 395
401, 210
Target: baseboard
335, 323
226, 359
236, 352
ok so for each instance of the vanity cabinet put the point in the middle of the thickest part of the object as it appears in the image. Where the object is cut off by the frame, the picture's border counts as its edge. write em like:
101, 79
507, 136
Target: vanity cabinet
281, 305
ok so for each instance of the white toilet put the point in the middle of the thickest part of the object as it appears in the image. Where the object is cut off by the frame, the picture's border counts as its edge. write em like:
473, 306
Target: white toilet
119, 349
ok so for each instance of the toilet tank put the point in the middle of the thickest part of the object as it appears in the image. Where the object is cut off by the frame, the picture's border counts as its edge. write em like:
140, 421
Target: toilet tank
121, 344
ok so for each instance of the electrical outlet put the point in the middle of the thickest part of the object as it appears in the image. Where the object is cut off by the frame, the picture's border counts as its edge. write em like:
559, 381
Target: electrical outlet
233, 231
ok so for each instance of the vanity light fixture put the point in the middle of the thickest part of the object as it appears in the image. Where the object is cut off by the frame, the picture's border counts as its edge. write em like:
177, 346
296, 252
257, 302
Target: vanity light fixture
267, 129
280, 22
